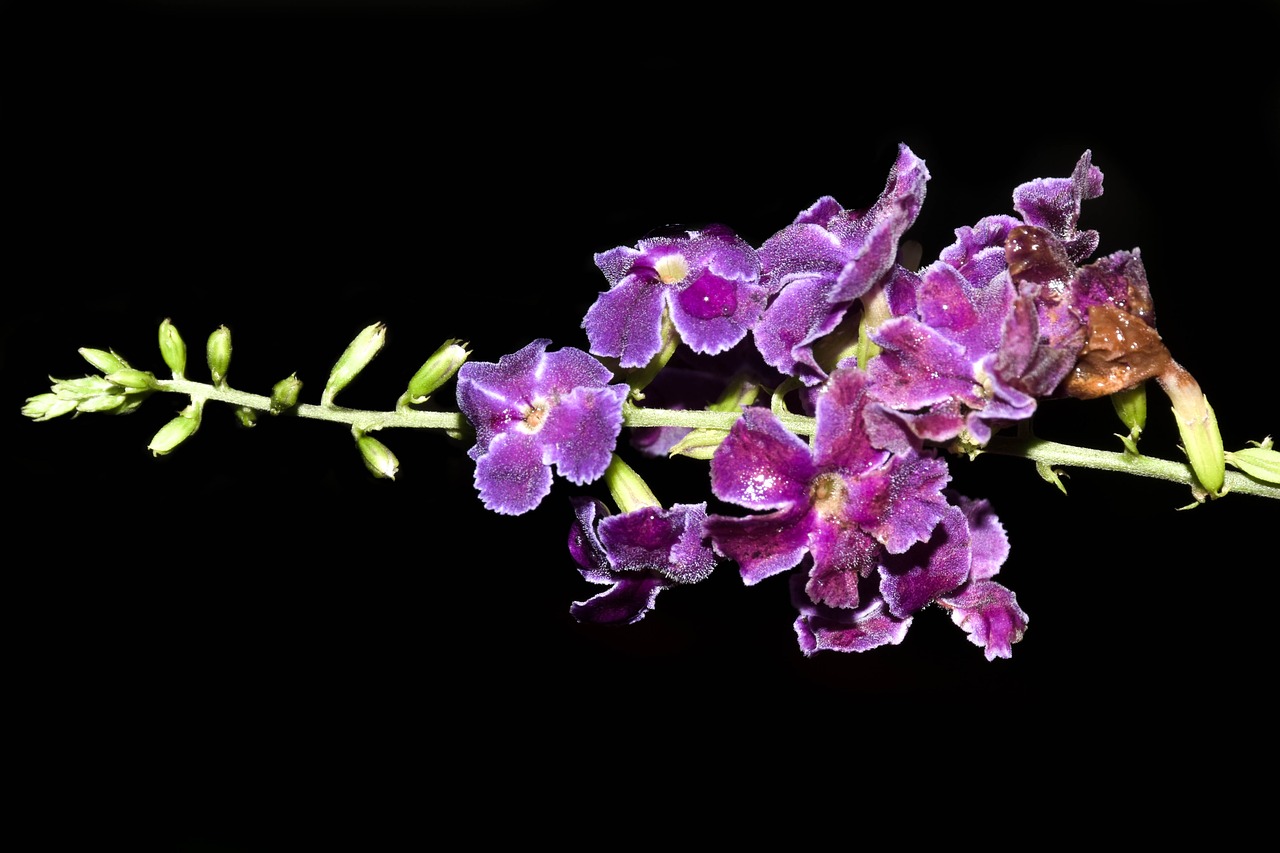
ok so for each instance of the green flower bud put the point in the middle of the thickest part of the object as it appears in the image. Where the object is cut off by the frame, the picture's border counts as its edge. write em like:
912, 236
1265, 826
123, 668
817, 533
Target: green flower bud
247, 416
438, 369
83, 388
284, 394
175, 431
136, 380
107, 362
43, 407
102, 403
1131, 405
630, 492
359, 353
173, 349
218, 351
378, 458
131, 402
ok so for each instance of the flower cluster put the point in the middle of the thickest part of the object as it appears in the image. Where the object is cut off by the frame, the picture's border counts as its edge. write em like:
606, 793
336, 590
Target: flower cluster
891, 363
826, 376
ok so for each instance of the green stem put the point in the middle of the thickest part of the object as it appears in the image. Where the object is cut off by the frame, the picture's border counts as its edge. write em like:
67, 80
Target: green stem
364, 420
413, 419
637, 417
1053, 453
1035, 449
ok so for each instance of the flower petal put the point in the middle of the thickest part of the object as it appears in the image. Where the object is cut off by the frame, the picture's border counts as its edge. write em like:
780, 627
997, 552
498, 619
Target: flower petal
511, 478
820, 628
629, 600
665, 541
913, 579
761, 465
991, 616
762, 545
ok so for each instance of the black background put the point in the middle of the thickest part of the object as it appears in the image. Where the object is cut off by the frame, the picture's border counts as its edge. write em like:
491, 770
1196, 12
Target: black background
252, 642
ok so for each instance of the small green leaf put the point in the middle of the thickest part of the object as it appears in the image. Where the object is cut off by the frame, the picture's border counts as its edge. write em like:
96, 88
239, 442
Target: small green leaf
699, 443
1261, 463
1051, 475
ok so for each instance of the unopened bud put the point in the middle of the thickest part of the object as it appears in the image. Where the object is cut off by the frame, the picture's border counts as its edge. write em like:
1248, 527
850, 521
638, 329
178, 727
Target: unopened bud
1131, 406
218, 351
378, 458
246, 416
135, 380
107, 362
629, 491
175, 431
43, 407
284, 394
102, 403
84, 387
437, 370
359, 353
173, 349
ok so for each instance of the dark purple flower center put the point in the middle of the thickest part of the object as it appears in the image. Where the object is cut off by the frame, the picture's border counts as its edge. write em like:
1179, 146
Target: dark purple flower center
710, 296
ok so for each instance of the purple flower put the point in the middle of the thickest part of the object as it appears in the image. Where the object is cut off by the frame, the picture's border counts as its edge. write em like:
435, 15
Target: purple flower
709, 280
964, 355
842, 503
953, 569
638, 554
827, 258
997, 322
1054, 205
535, 409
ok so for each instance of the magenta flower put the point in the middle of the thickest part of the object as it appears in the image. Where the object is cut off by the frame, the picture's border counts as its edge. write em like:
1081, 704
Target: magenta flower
825, 260
875, 534
842, 503
999, 321
953, 569
638, 554
964, 355
709, 280
534, 409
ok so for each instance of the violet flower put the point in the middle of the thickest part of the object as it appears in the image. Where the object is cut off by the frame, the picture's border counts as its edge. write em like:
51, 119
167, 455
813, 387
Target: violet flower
534, 409
638, 554
842, 503
953, 569
825, 260
998, 321
964, 355
709, 280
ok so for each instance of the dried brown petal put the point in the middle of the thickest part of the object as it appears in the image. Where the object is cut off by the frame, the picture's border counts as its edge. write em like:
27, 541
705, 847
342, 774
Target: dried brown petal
1120, 352
1035, 255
